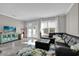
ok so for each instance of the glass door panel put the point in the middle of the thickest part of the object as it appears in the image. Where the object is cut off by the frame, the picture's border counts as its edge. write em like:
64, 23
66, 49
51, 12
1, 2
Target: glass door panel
32, 29
29, 33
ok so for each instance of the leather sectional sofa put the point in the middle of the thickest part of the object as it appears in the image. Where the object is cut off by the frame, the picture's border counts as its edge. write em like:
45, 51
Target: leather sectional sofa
64, 48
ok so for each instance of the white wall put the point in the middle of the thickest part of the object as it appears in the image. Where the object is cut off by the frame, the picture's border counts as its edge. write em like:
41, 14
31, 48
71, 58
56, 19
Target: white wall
5, 20
72, 21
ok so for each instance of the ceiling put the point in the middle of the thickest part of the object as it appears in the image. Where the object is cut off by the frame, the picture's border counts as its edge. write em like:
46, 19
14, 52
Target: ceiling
29, 11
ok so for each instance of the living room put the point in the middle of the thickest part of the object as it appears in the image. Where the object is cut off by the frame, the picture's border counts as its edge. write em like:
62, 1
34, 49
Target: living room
39, 27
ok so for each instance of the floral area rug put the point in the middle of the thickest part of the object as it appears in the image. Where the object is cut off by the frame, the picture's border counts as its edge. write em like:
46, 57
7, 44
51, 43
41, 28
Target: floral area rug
31, 51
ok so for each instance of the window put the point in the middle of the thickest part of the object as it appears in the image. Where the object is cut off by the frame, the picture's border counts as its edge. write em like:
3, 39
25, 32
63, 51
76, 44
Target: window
48, 26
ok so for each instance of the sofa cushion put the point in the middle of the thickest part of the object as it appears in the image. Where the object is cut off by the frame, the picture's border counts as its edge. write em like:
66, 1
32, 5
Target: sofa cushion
75, 47
67, 39
72, 42
58, 39
64, 36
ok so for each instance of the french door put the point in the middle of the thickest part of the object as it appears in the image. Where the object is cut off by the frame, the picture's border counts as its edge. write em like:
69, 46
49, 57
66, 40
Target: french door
32, 30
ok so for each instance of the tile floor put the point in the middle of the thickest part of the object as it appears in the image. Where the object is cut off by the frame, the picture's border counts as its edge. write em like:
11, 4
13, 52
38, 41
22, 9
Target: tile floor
10, 49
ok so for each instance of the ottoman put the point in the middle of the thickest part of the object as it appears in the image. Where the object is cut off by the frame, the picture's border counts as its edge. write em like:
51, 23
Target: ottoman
43, 44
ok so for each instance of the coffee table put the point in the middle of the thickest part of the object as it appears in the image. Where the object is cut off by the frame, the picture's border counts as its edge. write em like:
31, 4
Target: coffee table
43, 44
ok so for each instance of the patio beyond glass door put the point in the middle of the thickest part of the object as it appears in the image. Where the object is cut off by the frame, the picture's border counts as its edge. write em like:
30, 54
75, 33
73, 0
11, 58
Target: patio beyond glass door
32, 31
